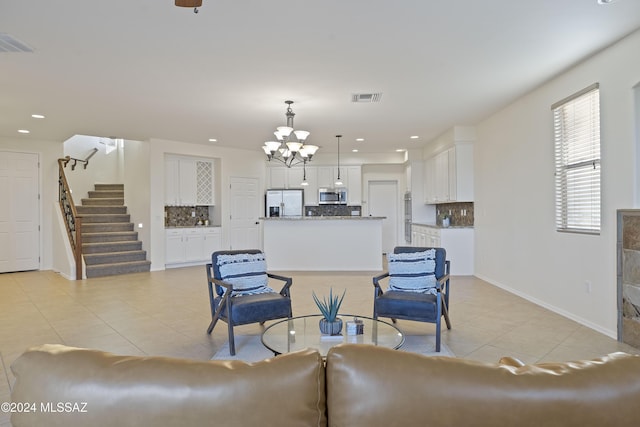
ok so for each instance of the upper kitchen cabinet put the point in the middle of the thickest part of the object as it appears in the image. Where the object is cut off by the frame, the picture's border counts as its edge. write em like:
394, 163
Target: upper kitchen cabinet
461, 173
351, 177
354, 187
189, 181
449, 175
277, 177
286, 178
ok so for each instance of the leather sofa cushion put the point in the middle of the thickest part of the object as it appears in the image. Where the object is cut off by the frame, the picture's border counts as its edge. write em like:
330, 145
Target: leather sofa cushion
382, 387
155, 391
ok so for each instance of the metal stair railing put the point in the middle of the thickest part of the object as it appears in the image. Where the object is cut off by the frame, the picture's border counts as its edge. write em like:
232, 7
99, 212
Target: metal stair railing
73, 221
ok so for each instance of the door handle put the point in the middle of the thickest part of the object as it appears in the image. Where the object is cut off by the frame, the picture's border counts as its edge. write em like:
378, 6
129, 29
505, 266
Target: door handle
257, 222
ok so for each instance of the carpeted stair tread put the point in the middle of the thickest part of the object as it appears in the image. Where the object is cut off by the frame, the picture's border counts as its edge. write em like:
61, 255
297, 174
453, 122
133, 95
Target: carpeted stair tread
100, 209
101, 270
114, 257
104, 201
102, 247
91, 218
109, 236
109, 194
106, 227
102, 187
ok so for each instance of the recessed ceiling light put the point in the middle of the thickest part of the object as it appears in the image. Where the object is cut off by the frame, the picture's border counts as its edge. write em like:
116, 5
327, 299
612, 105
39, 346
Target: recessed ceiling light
414, 137
606, 1
359, 139
355, 150
23, 131
401, 150
213, 140
37, 116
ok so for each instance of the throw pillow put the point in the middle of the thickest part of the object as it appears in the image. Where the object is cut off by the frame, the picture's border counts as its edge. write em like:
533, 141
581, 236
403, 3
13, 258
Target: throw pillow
246, 272
413, 271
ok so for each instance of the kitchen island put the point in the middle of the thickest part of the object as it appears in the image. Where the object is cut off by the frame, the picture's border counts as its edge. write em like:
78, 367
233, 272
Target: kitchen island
323, 243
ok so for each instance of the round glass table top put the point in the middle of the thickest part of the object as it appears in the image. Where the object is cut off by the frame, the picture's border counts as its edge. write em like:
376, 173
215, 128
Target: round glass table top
303, 332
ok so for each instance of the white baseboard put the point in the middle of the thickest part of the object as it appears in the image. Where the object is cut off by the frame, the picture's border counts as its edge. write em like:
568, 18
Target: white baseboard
582, 321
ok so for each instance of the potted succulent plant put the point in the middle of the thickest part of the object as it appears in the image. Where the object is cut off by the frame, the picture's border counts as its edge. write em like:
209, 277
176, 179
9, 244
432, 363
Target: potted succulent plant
330, 324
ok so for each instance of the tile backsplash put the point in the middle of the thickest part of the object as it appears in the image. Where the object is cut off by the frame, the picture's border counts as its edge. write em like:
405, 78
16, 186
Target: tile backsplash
461, 214
182, 216
332, 210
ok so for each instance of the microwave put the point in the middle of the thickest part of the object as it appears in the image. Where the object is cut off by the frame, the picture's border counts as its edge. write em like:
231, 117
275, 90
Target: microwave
332, 196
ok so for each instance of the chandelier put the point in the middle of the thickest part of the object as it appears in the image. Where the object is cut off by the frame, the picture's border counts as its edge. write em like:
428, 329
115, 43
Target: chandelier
289, 148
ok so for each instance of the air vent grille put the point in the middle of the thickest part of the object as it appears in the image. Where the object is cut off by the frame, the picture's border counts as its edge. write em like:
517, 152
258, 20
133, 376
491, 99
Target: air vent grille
10, 44
366, 97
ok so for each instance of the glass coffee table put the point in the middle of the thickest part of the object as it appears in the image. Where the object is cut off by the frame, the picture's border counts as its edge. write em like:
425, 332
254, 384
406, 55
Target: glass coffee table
303, 332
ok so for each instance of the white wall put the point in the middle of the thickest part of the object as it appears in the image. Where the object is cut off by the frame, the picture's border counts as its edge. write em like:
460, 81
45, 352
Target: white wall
136, 180
517, 246
49, 152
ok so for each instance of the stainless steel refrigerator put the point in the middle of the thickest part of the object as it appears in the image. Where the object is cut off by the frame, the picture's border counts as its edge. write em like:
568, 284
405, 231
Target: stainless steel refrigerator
284, 203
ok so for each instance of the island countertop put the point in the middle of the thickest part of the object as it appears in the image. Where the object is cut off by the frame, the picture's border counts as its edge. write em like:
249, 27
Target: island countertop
320, 217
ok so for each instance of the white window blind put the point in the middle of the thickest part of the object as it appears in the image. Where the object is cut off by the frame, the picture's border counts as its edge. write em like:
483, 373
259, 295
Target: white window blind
576, 122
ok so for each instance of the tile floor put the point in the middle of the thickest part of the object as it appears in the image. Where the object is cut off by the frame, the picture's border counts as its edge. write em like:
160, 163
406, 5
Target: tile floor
167, 313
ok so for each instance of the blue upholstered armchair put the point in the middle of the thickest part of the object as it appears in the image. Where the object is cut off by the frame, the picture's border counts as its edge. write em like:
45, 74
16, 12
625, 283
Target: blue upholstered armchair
418, 287
239, 293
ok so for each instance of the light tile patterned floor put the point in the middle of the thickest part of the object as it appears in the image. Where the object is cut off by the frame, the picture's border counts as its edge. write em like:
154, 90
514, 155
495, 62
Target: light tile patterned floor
167, 313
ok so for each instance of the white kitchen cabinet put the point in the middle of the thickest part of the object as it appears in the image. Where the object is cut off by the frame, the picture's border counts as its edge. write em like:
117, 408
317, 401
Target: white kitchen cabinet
277, 177
193, 239
354, 187
311, 190
437, 178
171, 179
212, 242
461, 173
327, 176
430, 180
283, 177
425, 236
191, 246
174, 248
351, 177
442, 177
189, 181
458, 242
449, 175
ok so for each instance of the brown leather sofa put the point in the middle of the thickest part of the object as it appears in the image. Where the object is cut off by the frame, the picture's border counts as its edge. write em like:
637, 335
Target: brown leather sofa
356, 386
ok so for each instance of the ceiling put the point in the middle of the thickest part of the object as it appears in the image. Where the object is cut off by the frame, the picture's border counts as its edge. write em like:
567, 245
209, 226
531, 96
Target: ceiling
148, 69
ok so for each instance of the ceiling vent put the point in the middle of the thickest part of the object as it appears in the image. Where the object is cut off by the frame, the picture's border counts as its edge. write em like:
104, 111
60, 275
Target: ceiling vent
10, 44
366, 97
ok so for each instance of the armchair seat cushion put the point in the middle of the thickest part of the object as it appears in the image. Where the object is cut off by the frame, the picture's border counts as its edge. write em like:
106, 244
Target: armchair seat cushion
257, 308
400, 304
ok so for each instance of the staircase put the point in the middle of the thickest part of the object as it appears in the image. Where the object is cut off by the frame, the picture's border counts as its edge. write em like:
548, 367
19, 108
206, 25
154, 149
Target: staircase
109, 244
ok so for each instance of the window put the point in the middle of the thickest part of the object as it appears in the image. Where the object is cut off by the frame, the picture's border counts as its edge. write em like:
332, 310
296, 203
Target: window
576, 123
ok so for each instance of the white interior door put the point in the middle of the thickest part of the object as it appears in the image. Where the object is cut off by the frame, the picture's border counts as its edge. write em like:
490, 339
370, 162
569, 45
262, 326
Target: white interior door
383, 201
244, 227
19, 212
